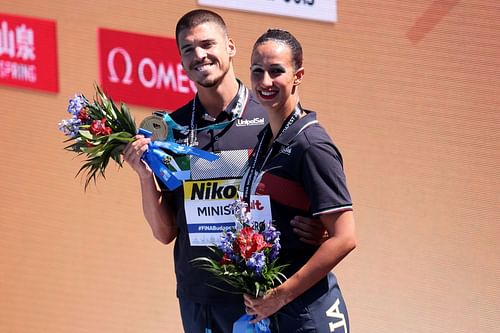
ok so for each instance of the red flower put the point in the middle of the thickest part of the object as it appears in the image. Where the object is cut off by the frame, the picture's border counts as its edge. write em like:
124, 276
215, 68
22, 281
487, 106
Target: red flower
98, 127
225, 260
250, 241
83, 115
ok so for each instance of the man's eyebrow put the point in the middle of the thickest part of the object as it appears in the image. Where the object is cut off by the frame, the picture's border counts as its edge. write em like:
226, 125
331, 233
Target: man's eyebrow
208, 40
186, 46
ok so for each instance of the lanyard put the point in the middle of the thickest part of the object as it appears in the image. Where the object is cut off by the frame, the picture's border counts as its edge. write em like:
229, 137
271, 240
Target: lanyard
247, 188
237, 111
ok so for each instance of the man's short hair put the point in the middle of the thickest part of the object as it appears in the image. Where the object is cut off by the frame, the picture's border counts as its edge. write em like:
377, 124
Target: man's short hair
196, 17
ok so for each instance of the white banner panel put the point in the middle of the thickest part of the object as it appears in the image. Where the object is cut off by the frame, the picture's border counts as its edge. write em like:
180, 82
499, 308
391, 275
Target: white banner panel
318, 10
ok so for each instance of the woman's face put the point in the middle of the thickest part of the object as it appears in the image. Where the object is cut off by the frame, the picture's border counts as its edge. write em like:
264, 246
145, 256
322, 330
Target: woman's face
274, 76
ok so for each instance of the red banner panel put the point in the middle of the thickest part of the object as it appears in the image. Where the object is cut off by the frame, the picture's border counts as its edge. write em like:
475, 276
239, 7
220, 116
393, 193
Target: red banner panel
143, 70
28, 52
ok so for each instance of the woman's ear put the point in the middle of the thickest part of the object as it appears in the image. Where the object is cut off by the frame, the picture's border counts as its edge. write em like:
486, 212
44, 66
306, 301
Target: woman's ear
299, 74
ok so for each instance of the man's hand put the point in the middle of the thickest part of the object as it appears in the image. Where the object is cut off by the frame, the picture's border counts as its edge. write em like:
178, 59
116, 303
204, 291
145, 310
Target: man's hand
310, 230
132, 155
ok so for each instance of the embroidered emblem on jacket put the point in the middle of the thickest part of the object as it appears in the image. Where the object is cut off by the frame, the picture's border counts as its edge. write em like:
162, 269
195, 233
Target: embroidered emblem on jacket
287, 150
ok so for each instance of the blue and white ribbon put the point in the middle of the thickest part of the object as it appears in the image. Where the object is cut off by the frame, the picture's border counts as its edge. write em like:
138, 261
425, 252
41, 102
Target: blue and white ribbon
243, 325
158, 160
171, 124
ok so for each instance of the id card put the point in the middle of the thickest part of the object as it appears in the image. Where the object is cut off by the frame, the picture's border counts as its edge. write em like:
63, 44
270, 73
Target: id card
208, 209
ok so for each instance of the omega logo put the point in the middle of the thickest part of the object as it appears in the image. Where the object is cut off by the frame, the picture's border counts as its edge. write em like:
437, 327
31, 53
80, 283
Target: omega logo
151, 75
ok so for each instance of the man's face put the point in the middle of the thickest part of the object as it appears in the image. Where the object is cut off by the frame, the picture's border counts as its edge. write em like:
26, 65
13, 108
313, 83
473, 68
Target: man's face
206, 53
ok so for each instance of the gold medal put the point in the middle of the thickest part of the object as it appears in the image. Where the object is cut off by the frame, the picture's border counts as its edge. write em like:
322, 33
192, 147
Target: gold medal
157, 126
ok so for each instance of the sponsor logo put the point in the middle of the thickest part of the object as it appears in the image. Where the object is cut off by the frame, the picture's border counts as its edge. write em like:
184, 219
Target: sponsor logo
143, 70
213, 190
28, 55
250, 122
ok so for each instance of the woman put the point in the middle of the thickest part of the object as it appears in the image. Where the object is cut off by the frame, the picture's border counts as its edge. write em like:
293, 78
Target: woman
298, 166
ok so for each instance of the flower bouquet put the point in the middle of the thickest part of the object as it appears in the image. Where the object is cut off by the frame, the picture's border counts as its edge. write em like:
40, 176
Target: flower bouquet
100, 130
247, 258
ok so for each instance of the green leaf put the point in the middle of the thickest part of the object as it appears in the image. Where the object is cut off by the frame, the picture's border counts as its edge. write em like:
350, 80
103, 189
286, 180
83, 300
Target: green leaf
86, 134
99, 150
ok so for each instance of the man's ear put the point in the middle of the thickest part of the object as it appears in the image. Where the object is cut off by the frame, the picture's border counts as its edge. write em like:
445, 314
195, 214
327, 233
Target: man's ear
299, 74
231, 47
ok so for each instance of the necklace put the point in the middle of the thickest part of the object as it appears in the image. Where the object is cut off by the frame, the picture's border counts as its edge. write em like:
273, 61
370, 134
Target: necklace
237, 112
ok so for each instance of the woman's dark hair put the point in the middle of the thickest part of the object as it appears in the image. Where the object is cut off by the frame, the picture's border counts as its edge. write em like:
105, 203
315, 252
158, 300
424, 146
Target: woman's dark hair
283, 36
196, 17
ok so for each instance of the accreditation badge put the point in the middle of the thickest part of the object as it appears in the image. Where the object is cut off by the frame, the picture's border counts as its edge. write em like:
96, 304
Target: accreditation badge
208, 207
157, 126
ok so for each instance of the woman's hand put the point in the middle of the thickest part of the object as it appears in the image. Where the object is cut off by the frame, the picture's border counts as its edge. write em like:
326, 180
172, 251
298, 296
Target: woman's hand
341, 241
263, 307
132, 155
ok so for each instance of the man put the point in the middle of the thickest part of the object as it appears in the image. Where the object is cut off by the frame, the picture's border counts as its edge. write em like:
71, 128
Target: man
224, 118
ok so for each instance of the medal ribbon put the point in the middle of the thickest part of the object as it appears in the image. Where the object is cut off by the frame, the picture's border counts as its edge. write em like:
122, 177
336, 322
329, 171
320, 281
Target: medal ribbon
158, 160
237, 111
171, 125
247, 188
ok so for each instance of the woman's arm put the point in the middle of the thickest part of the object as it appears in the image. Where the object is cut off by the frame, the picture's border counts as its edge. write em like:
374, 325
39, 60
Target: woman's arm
341, 241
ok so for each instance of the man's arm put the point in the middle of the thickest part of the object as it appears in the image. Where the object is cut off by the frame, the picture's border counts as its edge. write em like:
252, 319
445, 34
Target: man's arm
310, 230
157, 210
